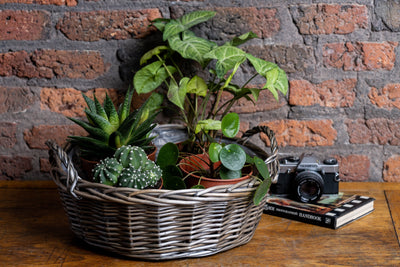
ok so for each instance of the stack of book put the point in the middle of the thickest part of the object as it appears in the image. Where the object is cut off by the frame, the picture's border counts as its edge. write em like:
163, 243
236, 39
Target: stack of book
332, 211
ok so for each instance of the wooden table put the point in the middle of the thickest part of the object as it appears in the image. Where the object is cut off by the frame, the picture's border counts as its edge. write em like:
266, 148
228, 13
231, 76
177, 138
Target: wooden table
34, 231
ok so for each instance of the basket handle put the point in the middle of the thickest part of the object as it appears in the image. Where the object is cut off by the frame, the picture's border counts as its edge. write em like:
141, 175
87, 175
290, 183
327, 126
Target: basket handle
60, 162
273, 145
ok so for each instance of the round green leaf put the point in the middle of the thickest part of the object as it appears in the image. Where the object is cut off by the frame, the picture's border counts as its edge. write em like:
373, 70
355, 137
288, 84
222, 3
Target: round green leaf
230, 125
173, 183
198, 186
213, 151
261, 167
168, 155
233, 157
226, 174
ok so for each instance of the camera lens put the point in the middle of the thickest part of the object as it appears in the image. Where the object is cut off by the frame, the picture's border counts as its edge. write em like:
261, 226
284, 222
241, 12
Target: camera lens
309, 186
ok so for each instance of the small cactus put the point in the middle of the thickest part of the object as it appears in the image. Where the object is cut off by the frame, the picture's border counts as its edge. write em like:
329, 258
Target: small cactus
146, 175
107, 171
131, 156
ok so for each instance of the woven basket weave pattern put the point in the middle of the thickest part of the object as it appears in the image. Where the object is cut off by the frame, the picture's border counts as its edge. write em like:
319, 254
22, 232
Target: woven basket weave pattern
158, 224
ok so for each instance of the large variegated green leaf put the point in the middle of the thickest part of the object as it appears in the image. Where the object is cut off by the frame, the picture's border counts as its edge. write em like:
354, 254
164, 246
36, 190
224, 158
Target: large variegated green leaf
197, 86
227, 57
242, 39
151, 76
151, 53
276, 77
187, 21
191, 47
207, 125
176, 94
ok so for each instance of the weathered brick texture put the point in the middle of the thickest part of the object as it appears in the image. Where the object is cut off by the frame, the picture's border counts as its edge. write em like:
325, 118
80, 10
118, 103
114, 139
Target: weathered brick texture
15, 99
14, 167
23, 25
38, 135
8, 132
96, 25
43, 2
53, 64
360, 56
70, 102
354, 168
391, 169
330, 18
388, 97
329, 93
303, 133
379, 131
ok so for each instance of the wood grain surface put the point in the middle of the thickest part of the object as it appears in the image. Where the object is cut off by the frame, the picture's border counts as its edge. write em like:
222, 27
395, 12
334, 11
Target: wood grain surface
34, 231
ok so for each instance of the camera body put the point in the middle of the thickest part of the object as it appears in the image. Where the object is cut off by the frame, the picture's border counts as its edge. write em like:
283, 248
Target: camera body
306, 178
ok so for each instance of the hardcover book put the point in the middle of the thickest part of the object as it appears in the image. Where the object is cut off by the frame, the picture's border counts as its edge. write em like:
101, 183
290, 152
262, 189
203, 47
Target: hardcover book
332, 211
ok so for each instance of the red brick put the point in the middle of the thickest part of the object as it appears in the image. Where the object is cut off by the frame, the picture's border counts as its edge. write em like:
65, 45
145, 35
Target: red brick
8, 136
360, 56
387, 97
15, 99
13, 168
38, 135
379, 131
354, 168
43, 2
391, 169
262, 21
303, 133
96, 25
45, 165
49, 64
329, 93
70, 102
23, 25
330, 18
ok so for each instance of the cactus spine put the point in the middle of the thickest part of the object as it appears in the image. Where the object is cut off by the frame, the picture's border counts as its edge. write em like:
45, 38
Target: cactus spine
129, 167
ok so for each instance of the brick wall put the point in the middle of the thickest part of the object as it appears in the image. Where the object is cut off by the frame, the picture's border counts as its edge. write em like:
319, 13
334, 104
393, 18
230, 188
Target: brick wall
342, 59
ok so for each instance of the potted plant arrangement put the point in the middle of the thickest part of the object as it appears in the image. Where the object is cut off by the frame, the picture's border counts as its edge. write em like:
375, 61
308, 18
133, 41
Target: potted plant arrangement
200, 101
144, 209
109, 129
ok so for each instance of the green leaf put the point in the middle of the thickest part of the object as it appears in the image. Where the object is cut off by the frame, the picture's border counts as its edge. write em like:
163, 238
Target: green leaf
151, 53
151, 76
232, 157
242, 39
124, 109
213, 151
227, 58
227, 174
90, 103
198, 186
99, 108
111, 112
230, 124
187, 21
168, 155
260, 65
101, 122
173, 183
152, 104
261, 167
160, 23
197, 86
261, 191
191, 47
176, 94
93, 131
207, 125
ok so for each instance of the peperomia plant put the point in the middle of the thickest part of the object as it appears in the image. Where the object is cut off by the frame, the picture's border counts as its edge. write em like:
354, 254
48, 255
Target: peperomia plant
200, 101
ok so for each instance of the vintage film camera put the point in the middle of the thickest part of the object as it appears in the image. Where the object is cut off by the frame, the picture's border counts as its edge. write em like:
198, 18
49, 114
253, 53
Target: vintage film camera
306, 178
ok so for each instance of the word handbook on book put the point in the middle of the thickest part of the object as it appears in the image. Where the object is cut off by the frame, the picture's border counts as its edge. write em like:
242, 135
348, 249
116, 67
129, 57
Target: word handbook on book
332, 211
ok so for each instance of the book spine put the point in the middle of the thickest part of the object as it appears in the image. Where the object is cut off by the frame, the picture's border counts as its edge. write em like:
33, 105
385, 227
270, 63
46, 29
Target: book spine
299, 215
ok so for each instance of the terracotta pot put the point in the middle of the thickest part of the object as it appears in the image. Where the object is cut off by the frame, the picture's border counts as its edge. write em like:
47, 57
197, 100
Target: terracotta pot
201, 161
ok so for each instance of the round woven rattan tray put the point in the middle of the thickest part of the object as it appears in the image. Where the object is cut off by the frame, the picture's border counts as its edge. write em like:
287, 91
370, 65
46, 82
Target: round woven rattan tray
158, 224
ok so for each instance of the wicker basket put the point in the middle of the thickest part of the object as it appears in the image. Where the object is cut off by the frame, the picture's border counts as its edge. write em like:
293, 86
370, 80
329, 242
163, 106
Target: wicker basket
157, 224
